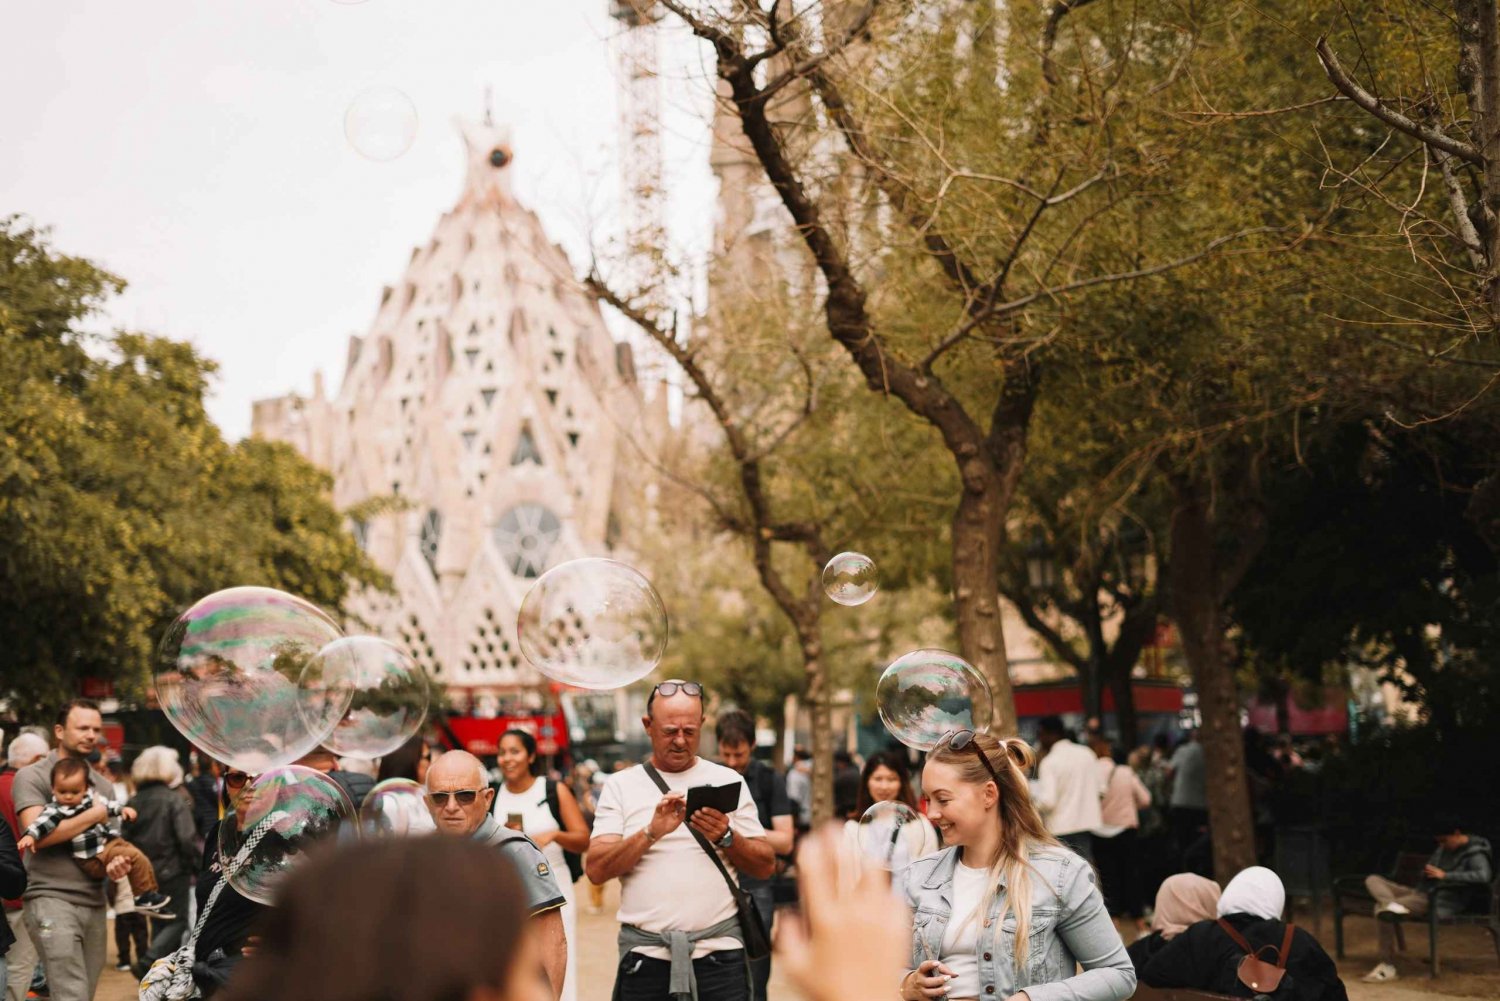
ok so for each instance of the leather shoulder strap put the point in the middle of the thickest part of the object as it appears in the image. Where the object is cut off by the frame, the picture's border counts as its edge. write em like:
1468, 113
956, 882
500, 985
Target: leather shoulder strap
1239, 939
1286, 946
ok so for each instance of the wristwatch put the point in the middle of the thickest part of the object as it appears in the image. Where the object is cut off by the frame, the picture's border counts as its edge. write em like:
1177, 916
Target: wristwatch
727, 839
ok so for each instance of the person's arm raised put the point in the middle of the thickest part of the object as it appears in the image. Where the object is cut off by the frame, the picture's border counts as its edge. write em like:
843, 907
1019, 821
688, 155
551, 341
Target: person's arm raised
67, 829
611, 855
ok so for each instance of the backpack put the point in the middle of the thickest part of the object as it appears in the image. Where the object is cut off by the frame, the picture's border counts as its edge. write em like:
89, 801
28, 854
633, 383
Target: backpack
573, 859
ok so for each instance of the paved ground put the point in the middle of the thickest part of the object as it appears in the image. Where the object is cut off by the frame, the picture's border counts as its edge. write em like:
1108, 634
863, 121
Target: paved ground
1470, 967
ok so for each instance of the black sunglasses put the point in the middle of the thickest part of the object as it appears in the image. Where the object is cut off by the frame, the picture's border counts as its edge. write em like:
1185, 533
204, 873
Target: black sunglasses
235, 779
465, 797
963, 740
669, 688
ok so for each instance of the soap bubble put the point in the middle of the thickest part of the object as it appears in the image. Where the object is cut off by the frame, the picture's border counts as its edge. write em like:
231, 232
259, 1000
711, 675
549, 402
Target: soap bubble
395, 808
593, 623
277, 818
389, 703
851, 578
891, 835
228, 672
927, 694
381, 123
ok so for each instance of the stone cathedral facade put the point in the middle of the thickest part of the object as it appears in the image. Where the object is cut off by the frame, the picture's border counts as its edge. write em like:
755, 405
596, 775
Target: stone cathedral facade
489, 401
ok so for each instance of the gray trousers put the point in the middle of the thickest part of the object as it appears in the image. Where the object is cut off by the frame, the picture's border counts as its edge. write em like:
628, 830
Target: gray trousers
70, 939
21, 958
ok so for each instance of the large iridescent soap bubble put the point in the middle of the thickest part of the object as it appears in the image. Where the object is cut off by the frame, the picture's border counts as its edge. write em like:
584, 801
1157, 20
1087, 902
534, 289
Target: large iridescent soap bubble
275, 821
395, 808
851, 579
891, 835
593, 623
927, 694
228, 676
366, 694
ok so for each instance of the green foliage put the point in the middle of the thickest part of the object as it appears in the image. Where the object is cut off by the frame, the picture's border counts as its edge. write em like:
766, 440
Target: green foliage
120, 503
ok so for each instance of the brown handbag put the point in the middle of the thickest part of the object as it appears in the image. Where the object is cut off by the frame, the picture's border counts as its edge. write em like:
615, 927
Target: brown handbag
1254, 972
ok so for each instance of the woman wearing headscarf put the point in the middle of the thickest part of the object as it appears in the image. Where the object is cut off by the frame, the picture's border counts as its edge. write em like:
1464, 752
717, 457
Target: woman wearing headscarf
1183, 900
1206, 956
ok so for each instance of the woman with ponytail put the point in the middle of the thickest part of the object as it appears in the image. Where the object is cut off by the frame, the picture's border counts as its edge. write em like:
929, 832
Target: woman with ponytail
1006, 911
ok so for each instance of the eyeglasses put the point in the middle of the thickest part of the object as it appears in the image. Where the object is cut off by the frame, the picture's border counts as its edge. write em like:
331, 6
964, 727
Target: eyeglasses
669, 688
465, 797
963, 740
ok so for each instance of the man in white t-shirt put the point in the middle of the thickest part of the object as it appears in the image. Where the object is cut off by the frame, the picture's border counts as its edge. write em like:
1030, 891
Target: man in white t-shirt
679, 927
1068, 788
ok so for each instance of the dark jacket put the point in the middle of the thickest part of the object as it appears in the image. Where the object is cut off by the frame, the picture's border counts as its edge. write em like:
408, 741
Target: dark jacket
356, 784
164, 829
205, 791
232, 920
1470, 870
1143, 949
1205, 958
12, 879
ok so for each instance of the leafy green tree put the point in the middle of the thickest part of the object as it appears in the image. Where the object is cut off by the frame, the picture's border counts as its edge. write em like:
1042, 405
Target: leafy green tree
120, 503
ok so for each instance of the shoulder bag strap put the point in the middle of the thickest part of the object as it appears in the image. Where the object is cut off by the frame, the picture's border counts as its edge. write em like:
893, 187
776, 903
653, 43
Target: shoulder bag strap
1286, 946
1239, 939
702, 841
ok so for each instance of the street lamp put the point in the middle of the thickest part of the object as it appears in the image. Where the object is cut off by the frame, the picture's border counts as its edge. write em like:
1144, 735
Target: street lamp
1041, 568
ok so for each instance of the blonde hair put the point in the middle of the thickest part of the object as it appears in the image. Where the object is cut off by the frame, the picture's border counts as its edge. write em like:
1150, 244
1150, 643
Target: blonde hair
157, 764
1021, 827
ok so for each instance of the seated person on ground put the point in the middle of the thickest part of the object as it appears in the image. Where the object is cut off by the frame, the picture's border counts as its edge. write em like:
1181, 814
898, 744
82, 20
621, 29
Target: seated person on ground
1183, 900
93, 847
1462, 865
1207, 958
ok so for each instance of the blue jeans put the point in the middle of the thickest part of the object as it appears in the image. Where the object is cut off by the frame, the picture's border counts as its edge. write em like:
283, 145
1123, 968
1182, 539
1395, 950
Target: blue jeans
720, 976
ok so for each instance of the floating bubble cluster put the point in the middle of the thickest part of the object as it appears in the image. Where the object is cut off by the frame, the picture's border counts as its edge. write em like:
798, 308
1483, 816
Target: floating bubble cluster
366, 694
276, 819
891, 835
851, 578
593, 623
395, 808
381, 123
927, 694
228, 676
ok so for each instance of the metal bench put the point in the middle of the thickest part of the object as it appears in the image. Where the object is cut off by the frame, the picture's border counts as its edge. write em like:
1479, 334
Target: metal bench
1408, 871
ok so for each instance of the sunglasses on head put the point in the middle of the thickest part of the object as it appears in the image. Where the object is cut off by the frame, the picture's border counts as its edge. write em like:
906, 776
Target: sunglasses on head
963, 740
465, 797
691, 688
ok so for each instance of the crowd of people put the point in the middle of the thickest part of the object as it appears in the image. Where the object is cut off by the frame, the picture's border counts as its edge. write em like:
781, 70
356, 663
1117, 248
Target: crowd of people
1030, 882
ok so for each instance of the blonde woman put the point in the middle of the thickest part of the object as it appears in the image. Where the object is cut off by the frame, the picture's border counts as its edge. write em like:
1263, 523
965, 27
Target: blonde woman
1005, 911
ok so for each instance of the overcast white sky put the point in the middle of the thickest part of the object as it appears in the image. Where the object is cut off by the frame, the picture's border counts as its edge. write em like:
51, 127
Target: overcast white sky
197, 150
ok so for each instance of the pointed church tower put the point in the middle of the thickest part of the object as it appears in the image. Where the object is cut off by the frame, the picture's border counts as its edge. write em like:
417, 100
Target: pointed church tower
490, 399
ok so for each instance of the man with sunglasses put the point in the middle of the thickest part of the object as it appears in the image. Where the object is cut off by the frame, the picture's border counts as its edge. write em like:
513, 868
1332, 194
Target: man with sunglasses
679, 924
459, 799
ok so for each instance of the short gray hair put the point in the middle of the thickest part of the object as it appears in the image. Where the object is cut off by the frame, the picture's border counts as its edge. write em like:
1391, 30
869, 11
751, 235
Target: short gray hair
157, 764
26, 748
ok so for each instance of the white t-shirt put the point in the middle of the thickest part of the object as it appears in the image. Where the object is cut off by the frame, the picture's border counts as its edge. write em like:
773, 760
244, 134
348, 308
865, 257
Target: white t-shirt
961, 937
675, 884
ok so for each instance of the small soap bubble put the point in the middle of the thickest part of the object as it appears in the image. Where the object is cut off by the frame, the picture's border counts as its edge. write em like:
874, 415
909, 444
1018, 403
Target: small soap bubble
891, 834
593, 623
395, 808
851, 578
927, 694
275, 821
381, 123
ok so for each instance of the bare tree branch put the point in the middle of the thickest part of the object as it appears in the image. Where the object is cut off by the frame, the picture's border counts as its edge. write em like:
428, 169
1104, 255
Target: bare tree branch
1433, 137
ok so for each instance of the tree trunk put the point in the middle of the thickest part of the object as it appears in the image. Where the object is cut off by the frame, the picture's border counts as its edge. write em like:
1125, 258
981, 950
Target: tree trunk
1125, 721
978, 526
821, 724
1197, 600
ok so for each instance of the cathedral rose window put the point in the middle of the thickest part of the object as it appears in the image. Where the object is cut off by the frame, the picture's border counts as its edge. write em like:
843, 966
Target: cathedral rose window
525, 536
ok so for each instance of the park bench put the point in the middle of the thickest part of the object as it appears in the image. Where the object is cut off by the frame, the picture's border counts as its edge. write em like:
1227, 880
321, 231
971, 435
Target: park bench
1146, 993
1350, 890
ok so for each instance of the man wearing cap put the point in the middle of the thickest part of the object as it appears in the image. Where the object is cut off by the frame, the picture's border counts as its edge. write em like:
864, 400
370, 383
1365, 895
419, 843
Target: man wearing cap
459, 799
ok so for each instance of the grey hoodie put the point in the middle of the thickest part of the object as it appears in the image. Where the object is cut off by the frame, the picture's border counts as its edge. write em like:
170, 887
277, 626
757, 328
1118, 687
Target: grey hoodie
1470, 870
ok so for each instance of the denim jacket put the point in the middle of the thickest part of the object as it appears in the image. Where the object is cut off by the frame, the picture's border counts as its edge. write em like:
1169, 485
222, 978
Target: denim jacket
1069, 926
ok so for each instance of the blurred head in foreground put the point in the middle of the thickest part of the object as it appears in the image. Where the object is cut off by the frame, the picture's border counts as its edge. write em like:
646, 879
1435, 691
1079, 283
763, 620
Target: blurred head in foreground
420, 919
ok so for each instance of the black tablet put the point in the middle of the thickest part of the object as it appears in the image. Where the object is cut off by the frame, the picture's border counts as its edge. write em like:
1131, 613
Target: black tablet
724, 798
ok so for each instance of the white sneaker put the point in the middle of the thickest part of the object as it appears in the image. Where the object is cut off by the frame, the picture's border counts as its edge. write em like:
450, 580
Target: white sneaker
1395, 908
1382, 973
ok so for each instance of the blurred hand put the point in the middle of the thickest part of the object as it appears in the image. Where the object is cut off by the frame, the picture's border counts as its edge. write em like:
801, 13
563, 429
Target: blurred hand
128, 813
26, 844
669, 815
709, 822
117, 868
842, 947
1433, 872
